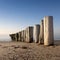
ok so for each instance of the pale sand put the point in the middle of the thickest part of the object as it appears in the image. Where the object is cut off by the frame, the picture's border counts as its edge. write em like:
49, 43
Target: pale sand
29, 51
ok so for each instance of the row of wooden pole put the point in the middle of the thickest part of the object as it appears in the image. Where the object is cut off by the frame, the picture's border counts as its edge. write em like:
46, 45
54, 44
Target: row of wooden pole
41, 33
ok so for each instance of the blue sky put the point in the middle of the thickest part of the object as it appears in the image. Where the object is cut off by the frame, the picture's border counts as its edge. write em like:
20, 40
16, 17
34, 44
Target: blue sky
15, 15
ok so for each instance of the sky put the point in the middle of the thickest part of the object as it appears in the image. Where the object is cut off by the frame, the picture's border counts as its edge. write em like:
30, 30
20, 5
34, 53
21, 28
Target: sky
16, 15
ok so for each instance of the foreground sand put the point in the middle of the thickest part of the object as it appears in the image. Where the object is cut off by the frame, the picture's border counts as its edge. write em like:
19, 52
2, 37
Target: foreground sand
29, 51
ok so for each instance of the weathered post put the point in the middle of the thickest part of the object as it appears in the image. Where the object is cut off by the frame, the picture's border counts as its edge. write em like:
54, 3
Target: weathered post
16, 36
12, 37
36, 33
41, 36
24, 35
19, 38
48, 30
29, 34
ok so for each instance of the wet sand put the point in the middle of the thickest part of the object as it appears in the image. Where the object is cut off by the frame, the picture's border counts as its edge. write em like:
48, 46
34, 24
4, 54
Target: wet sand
29, 51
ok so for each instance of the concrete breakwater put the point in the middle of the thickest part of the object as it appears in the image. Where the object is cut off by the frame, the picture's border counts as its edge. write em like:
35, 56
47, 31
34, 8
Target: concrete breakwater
40, 33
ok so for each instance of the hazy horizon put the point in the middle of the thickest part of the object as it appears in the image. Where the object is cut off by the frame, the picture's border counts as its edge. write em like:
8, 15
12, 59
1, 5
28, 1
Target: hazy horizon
16, 15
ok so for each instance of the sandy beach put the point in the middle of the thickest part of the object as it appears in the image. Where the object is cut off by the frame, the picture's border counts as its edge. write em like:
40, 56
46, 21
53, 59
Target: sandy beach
29, 51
